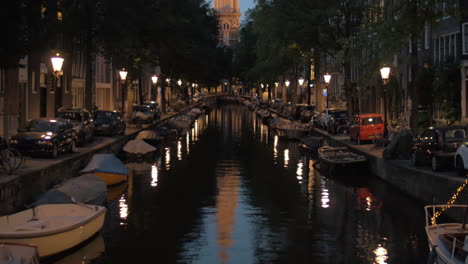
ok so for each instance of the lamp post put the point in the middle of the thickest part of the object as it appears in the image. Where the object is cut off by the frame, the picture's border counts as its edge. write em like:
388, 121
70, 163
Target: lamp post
301, 82
287, 83
123, 78
327, 78
57, 63
154, 79
385, 74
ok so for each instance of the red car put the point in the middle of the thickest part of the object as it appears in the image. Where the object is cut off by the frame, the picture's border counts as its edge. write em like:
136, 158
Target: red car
366, 127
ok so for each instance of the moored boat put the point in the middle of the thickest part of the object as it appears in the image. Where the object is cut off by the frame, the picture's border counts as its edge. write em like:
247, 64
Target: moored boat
292, 130
138, 149
16, 253
87, 189
448, 242
310, 144
108, 167
53, 228
334, 158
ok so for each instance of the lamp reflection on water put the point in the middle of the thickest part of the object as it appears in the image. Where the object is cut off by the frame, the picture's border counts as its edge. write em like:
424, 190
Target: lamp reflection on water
275, 149
286, 158
154, 176
179, 150
381, 255
168, 158
188, 143
123, 210
299, 171
325, 195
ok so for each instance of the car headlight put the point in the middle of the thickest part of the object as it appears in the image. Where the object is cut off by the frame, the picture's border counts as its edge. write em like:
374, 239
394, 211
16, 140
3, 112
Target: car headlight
13, 141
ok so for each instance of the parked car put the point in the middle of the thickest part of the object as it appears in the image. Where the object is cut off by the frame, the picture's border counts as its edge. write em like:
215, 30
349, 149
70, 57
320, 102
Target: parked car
109, 123
366, 127
45, 136
461, 159
338, 123
303, 112
322, 120
154, 108
142, 114
438, 146
82, 122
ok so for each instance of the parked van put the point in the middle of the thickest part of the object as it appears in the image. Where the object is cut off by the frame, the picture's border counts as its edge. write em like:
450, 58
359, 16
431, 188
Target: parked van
366, 127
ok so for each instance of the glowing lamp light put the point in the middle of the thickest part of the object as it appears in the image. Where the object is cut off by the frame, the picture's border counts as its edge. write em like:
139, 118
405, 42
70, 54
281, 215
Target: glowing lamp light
168, 80
179, 82
287, 83
301, 81
154, 79
123, 74
385, 73
276, 84
57, 62
327, 78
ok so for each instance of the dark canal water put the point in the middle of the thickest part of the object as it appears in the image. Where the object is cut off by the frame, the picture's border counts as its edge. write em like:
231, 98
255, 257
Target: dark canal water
230, 191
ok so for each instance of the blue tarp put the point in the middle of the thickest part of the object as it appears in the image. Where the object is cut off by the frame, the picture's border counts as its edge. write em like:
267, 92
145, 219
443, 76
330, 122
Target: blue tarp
106, 163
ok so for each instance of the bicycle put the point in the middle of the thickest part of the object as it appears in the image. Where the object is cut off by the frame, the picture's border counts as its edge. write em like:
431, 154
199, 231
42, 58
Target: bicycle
10, 158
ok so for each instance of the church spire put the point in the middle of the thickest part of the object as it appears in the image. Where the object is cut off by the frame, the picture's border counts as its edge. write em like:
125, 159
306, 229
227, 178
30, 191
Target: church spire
229, 15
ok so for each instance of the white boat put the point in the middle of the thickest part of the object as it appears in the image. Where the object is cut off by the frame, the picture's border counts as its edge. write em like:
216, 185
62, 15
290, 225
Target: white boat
448, 242
151, 137
87, 189
108, 167
15, 253
53, 228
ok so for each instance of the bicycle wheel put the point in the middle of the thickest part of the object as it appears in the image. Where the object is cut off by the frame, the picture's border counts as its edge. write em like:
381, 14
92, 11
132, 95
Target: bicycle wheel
18, 160
7, 159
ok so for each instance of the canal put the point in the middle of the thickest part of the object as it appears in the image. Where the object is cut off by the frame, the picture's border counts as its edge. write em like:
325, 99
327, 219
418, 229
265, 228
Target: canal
230, 191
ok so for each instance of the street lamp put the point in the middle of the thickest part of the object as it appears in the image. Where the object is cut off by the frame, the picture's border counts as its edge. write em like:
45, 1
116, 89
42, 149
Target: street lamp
327, 78
301, 81
287, 83
57, 63
385, 74
154, 79
123, 78
179, 82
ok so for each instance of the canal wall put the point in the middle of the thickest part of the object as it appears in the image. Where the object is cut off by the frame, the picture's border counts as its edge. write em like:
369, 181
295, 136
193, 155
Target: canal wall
20, 189
420, 183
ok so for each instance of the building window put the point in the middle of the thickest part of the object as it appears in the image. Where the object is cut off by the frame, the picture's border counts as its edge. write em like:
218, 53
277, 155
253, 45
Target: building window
465, 38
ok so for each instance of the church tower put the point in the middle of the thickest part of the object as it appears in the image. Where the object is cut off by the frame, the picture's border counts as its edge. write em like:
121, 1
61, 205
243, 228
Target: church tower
228, 15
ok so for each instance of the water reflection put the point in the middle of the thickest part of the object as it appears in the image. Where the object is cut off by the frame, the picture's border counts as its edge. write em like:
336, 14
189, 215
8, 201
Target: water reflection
154, 176
231, 195
325, 194
167, 156
381, 255
123, 210
179, 150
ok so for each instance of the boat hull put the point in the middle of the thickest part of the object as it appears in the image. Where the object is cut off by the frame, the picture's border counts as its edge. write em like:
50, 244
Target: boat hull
56, 240
111, 178
18, 253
